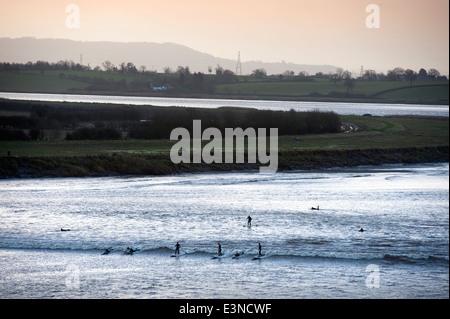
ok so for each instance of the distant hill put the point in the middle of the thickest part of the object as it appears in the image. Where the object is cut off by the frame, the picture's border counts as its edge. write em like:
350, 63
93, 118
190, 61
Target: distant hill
154, 56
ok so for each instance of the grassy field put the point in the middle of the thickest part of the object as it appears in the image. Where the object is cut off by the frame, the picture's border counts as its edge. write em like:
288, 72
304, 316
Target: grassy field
52, 81
419, 94
35, 82
84, 147
420, 90
374, 132
427, 92
377, 132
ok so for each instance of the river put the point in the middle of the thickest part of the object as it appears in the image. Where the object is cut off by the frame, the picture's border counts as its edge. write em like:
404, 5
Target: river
376, 109
403, 251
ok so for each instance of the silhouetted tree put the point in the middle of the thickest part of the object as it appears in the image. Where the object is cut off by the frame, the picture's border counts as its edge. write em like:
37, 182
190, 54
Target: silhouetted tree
108, 66
337, 76
422, 74
167, 70
410, 75
396, 74
433, 74
349, 82
219, 70
370, 75
259, 73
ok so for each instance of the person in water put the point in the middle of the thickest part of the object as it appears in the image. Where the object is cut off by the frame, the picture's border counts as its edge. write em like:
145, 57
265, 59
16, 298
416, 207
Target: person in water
130, 251
219, 250
177, 248
259, 250
361, 230
249, 221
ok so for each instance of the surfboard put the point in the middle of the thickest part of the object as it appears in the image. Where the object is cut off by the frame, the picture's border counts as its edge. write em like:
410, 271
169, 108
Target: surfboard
217, 257
258, 257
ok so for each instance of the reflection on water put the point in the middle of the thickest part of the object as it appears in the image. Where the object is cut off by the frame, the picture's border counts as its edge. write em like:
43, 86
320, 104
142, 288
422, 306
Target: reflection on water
376, 109
309, 253
404, 212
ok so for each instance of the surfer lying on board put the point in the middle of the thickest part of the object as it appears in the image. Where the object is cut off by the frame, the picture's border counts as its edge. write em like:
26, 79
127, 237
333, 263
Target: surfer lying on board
130, 251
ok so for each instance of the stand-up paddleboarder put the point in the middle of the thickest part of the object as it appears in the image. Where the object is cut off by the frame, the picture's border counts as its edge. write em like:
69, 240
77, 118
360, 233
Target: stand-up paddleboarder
249, 221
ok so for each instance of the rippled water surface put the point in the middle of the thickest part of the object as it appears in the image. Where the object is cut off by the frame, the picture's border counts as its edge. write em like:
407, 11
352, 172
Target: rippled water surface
308, 253
378, 109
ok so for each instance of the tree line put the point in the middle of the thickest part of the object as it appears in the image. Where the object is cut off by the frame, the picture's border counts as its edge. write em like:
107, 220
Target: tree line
163, 121
183, 81
116, 122
222, 75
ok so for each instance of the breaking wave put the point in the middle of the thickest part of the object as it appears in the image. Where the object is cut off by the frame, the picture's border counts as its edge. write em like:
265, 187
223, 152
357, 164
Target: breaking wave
244, 254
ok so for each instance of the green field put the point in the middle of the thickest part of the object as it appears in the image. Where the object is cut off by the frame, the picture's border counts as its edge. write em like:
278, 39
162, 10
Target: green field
35, 82
374, 132
419, 94
57, 148
426, 92
52, 81
420, 90
377, 132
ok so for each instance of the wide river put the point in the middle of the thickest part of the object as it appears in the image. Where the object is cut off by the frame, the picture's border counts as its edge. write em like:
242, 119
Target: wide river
376, 109
403, 252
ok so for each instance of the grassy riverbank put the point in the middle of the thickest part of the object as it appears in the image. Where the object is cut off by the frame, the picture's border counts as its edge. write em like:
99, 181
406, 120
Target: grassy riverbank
369, 141
160, 164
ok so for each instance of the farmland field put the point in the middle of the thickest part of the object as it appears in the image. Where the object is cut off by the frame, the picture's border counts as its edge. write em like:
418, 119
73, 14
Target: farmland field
423, 92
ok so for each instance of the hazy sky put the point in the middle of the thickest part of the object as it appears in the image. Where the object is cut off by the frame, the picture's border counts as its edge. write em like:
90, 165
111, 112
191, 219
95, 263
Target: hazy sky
412, 33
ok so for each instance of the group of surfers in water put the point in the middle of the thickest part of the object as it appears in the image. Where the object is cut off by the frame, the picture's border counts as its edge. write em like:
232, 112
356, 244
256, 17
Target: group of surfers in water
219, 250
130, 251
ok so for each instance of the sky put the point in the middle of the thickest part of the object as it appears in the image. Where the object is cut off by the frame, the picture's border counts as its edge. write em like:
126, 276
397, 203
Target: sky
410, 34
